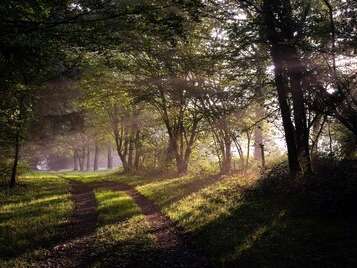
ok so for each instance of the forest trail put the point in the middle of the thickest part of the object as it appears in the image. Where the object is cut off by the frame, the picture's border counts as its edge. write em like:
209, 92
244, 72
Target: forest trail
173, 249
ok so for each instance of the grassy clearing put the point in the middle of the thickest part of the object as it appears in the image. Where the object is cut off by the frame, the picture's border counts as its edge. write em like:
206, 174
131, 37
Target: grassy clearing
33, 214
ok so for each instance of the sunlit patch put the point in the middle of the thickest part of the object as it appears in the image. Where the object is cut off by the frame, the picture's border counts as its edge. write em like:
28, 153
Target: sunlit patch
32, 217
114, 206
330, 89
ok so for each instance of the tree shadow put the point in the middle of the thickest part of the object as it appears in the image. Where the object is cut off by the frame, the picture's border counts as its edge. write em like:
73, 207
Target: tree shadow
32, 225
265, 231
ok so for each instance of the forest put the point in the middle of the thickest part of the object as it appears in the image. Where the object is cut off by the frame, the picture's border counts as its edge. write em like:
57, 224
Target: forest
178, 133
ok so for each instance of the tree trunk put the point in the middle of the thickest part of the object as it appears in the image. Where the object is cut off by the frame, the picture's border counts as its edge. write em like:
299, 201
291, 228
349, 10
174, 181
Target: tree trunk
263, 156
137, 150
240, 151
110, 158
258, 133
288, 67
289, 129
16, 160
226, 166
258, 141
317, 128
75, 160
248, 151
226, 156
130, 154
88, 158
182, 167
302, 132
170, 151
96, 154
81, 158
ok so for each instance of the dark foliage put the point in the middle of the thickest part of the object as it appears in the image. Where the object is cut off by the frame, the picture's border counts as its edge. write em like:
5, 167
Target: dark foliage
330, 191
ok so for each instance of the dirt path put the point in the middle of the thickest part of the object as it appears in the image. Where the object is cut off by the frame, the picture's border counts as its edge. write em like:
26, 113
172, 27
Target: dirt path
82, 224
163, 228
172, 250
175, 250
85, 209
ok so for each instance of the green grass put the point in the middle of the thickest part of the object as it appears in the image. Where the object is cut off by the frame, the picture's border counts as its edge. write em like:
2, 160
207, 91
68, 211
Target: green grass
256, 231
261, 230
114, 206
209, 204
32, 215
234, 229
83, 176
123, 235
165, 191
125, 242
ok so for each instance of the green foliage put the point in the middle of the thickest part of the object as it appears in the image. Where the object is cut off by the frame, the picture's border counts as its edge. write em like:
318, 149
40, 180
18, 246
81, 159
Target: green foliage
329, 191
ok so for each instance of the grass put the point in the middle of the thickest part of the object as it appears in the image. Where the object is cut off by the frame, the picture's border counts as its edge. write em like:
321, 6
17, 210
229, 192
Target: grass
114, 206
32, 215
255, 230
235, 228
167, 191
122, 234
262, 231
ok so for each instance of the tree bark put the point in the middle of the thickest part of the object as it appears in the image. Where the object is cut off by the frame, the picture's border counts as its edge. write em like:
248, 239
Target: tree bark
81, 158
182, 167
88, 158
110, 158
96, 154
137, 150
288, 68
302, 132
75, 160
16, 159
226, 167
263, 156
248, 151
259, 113
131, 153
289, 129
258, 141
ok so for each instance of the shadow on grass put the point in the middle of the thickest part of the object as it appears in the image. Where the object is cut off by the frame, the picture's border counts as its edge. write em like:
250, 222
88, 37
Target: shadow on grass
264, 231
167, 191
114, 206
33, 215
132, 243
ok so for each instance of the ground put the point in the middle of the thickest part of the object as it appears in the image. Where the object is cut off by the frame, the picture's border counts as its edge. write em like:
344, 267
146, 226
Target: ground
109, 220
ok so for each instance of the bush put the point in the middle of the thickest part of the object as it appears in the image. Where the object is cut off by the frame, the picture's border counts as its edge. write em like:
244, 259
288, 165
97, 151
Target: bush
331, 190
333, 187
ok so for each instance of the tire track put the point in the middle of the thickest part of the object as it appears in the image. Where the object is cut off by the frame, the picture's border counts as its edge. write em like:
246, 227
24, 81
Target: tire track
172, 250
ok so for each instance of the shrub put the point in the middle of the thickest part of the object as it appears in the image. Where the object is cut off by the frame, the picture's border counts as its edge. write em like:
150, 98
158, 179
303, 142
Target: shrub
330, 190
